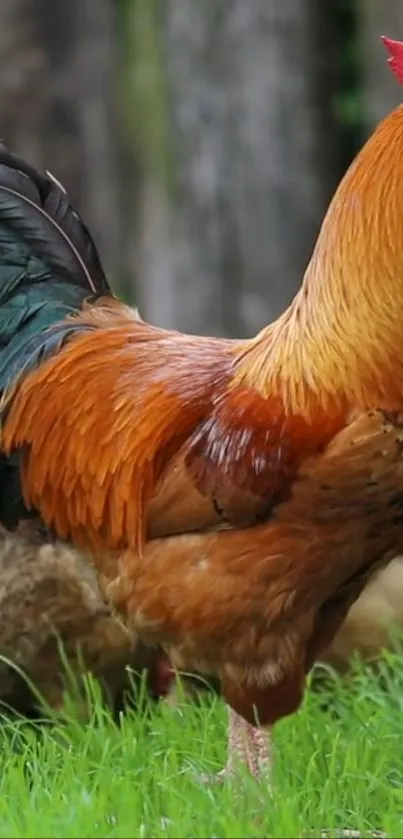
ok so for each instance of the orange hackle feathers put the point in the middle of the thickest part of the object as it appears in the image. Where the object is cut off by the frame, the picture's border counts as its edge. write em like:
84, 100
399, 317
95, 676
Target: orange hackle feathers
340, 341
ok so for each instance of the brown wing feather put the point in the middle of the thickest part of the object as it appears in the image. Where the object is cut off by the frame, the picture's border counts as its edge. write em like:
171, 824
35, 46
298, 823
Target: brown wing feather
246, 453
178, 506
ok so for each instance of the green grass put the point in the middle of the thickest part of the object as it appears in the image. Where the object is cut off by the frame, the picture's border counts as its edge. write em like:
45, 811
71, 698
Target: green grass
339, 770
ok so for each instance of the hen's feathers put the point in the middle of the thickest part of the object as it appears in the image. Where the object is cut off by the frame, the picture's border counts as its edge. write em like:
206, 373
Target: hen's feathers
50, 595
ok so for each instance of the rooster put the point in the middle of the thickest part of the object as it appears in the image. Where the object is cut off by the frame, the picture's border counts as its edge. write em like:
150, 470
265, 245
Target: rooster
235, 496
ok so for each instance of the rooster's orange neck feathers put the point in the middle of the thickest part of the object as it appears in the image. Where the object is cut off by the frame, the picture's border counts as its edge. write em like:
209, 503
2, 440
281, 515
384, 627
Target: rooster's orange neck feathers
341, 340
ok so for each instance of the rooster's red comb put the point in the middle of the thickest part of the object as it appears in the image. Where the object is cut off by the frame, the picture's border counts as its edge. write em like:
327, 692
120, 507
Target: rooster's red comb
395, 60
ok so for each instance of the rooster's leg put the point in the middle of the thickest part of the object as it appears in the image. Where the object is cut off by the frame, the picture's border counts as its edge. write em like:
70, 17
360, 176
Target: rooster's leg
247, 745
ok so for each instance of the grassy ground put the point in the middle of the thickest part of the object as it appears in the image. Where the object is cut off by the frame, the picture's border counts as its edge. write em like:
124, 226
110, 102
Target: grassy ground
332, 771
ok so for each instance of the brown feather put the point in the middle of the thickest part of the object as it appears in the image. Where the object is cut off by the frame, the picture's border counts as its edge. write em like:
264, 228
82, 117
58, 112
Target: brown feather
251, 605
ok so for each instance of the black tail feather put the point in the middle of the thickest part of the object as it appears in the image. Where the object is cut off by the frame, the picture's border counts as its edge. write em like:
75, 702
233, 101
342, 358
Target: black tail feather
49, 266
37, 208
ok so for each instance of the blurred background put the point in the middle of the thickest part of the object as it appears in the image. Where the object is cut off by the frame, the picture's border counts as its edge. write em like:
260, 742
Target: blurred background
200, 139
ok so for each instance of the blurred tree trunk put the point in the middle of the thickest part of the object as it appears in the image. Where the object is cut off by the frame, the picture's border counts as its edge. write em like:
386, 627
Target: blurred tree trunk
381, 91
57, 64
253, 159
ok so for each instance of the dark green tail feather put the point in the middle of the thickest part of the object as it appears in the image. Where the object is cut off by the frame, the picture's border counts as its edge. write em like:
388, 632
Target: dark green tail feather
48, 267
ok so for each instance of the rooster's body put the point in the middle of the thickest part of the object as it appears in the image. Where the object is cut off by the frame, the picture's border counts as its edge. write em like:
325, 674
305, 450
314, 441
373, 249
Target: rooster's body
236, 496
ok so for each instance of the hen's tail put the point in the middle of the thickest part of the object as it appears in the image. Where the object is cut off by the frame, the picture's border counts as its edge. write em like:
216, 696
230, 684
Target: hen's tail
49, 266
